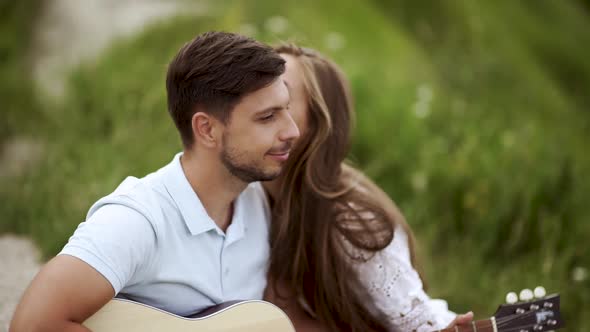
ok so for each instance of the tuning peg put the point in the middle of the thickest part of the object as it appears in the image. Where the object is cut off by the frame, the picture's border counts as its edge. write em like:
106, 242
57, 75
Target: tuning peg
540, 292
526, 294
511, 298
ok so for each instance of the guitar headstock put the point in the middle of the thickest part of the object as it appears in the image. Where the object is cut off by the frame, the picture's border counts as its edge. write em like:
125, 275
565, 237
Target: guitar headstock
531, 312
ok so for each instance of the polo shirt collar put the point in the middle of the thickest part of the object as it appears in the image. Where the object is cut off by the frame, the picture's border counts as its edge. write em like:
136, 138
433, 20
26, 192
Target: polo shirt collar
236, 229
191, 208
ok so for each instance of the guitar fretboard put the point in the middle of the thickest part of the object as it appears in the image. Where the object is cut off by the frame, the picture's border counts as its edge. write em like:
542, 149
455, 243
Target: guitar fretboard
485, 325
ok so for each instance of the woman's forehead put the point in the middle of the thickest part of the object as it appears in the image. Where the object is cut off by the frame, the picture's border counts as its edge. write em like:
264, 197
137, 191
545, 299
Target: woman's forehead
293, 72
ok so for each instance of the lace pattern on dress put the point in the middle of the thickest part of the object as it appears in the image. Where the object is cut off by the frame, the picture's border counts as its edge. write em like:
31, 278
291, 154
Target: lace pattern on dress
395, 288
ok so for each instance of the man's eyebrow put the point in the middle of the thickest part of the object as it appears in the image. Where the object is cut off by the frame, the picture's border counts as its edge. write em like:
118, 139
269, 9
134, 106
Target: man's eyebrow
276, 108
269, 109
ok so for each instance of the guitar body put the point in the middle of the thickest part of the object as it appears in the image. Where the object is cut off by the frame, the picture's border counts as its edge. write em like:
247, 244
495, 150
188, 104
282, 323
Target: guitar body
128, 316
540, 315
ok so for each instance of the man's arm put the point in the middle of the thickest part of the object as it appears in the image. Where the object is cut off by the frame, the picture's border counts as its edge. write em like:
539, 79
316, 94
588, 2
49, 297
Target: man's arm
103, 255
61, 297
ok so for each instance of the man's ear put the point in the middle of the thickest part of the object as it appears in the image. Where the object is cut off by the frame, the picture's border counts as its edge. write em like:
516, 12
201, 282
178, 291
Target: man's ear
206, 129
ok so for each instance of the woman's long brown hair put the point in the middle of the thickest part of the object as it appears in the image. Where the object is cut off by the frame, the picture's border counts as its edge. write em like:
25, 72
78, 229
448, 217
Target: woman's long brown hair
327, 211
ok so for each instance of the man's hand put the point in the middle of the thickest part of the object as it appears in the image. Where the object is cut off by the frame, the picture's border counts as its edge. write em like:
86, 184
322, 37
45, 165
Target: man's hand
461, 320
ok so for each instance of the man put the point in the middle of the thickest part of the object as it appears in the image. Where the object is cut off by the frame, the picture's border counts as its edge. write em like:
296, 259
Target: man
194, 233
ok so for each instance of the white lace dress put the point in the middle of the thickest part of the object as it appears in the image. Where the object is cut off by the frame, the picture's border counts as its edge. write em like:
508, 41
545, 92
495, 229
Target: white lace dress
396, 288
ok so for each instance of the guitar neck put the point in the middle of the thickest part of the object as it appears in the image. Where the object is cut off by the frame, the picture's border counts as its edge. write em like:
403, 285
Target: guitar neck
484, 325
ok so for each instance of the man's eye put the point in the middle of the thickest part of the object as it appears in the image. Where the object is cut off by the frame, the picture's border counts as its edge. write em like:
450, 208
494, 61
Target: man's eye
268, 117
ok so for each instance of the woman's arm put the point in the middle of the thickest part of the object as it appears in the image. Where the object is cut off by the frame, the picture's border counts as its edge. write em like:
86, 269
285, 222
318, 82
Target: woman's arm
300, 319
395, 288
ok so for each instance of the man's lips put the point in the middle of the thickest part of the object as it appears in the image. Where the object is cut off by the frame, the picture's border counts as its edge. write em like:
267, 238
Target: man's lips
280, 155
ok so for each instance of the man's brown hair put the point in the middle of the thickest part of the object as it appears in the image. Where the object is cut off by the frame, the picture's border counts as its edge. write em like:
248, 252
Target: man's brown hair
213, 72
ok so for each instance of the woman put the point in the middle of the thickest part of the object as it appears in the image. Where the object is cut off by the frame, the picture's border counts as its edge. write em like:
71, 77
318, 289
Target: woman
340, 248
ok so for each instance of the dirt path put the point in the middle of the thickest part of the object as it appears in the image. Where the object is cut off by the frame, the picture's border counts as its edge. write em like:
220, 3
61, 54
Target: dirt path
72, 31
18, 265
68, 32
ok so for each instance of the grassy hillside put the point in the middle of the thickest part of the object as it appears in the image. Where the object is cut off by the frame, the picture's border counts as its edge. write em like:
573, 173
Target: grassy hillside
472, 115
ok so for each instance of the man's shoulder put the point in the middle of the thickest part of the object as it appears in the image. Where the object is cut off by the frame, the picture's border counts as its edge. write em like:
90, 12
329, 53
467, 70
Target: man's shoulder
144, 195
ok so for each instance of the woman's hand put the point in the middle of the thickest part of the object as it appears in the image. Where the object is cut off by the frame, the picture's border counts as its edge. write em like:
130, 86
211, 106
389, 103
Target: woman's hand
461, 320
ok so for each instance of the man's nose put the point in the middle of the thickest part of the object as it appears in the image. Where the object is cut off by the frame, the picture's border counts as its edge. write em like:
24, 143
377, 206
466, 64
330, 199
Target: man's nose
290, 131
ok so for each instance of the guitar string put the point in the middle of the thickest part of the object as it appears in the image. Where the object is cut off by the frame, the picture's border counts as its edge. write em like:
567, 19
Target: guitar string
506, 321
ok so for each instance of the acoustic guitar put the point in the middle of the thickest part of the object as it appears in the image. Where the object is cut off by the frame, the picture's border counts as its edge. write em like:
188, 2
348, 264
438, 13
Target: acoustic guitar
527, 315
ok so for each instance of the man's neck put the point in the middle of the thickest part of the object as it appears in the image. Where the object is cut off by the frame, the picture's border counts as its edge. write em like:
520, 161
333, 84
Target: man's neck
216, 187
272, 189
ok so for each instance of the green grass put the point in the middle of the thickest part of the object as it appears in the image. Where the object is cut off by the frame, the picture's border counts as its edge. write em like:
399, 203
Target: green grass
19, 104
472, 115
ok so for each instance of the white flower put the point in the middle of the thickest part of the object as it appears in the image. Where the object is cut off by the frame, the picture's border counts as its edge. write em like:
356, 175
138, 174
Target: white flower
508, 139
248, 29
425, 93
579, 274
276, 24
334, 41
419, 181
422, 109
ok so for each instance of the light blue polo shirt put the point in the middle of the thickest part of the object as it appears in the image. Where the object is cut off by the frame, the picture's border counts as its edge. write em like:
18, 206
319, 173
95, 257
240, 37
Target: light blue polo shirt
154, 242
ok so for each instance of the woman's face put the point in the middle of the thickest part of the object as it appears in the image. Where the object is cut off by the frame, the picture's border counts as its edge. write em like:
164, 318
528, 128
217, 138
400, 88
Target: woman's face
293, 76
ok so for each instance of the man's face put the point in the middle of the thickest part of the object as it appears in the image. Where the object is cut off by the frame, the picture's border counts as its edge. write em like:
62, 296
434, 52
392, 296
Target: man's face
259, 134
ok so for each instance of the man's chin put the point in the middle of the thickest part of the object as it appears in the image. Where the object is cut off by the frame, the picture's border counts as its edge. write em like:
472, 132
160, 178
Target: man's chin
272, 173
270, 176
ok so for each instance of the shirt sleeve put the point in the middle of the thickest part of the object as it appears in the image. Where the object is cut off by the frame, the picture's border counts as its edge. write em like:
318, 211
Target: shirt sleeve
395, 288
117, 241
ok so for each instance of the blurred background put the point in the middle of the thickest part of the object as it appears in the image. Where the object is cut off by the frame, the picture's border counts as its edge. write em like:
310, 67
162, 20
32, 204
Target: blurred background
473, 115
